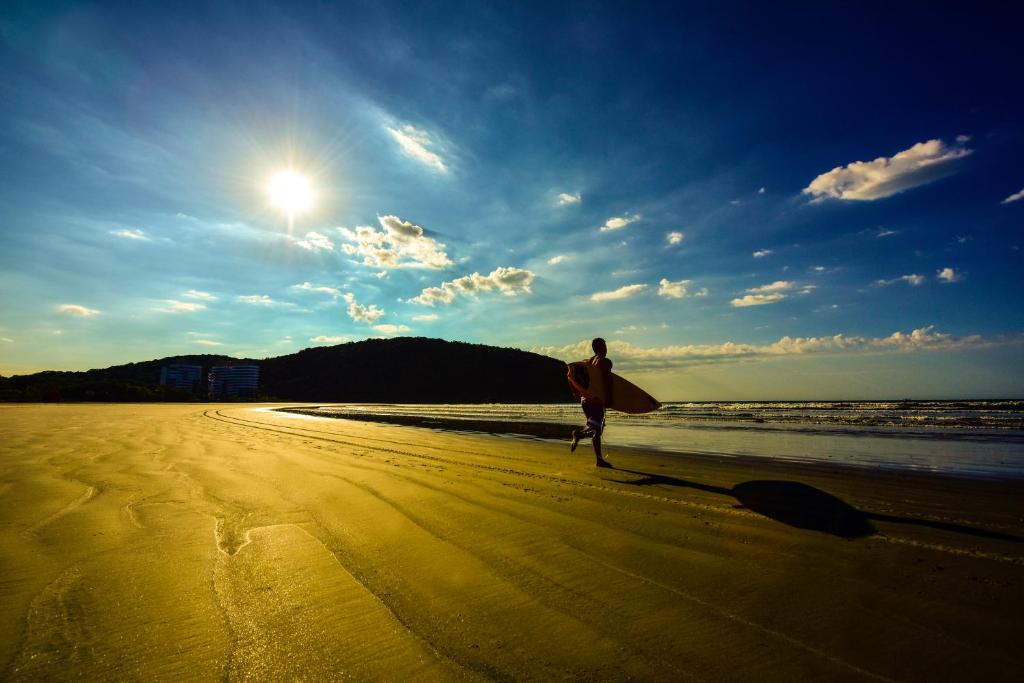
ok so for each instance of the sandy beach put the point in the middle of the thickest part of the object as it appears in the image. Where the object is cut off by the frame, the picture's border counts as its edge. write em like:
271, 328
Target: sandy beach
206, 542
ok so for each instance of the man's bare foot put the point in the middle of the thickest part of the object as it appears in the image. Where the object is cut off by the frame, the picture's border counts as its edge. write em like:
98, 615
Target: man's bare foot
601, 462
575, 441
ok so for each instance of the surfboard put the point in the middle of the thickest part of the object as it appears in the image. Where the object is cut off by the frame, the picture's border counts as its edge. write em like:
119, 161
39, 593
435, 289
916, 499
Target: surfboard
628, 397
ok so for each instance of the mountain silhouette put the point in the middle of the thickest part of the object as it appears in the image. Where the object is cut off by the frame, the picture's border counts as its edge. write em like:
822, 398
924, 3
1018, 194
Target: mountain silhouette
397, 370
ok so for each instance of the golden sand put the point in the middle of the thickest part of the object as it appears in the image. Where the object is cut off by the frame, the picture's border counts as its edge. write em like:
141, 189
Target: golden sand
204, 542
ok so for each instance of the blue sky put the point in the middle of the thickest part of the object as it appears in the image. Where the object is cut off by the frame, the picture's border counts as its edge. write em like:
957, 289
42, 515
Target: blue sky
748, 201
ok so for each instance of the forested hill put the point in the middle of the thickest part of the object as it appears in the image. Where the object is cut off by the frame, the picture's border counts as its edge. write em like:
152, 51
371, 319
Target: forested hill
399, 370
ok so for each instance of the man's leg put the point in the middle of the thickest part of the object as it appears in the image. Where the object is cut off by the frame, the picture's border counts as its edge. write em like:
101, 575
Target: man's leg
578, 434
601, 462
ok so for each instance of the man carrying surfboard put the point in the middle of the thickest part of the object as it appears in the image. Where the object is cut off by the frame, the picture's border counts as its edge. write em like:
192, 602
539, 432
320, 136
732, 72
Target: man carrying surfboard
600, 389
598, 394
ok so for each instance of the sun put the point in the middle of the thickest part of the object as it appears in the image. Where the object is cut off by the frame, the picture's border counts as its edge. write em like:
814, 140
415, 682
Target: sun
291, 191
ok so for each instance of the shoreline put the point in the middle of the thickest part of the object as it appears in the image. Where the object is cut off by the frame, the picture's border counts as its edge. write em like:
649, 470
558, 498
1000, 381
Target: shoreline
553, 432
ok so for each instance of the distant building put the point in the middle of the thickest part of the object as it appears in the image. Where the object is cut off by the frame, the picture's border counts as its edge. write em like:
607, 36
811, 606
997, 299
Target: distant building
187, 377
228, 381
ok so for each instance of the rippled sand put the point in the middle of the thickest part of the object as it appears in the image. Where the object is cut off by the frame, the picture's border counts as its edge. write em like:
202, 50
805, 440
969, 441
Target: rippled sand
204, 542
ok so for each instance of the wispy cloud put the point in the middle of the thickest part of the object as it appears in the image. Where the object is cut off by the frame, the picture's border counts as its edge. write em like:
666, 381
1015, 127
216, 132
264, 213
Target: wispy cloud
309, 287
555, 260
360, 313
566, 198
426, 317
315, 241
507, 281
257, 299
761, 253
75, 309
207, 342
949, 275
672, 290
886, 176
6, 340
777, 286
1016, 196
636, 358
418, 144
620, 293
175, 306
398, 244
912, 279
327, 339
389, 329
674, 237
198, 294
131, 234
618, 222
757, 300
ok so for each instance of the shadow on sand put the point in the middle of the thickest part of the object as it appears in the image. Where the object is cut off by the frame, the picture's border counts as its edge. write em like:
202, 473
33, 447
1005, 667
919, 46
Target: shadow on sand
805, 507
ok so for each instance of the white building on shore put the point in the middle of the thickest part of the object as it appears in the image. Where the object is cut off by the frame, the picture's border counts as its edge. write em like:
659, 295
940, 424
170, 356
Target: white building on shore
229, 381
179, 376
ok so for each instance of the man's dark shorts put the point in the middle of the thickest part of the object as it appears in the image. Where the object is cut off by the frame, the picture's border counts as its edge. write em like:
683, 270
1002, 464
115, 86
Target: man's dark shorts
594, 410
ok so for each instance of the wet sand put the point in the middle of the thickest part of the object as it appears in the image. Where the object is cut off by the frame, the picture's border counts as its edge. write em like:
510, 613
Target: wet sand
205, 542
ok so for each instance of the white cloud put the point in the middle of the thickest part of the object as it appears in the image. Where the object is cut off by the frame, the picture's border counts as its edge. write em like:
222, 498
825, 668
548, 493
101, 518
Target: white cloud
807, 289
388, 328
75, 309
555, 260
761, 253
6, 340
507, 281
175, 306
308, 287
399, 244
1016, 196
674, 237
620, 293
886, 176
207, 342
426, 317
417, 144
672, 290
702, 292
912, 279
257, 299
777, 286
885, 232
949, 275
757, 300
618, 222
131, 234
360, 313
566, 198
197, 294
315, 241
325, 339
819, 269
635, 358
760, 190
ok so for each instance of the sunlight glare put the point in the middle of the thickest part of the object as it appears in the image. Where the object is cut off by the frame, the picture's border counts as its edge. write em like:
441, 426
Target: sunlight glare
290, 191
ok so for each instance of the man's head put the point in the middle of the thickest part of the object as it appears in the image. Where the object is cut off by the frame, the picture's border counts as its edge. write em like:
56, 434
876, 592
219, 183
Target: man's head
600, 347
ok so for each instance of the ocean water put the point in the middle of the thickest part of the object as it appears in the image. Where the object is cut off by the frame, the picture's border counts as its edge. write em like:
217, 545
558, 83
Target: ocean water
966, 438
